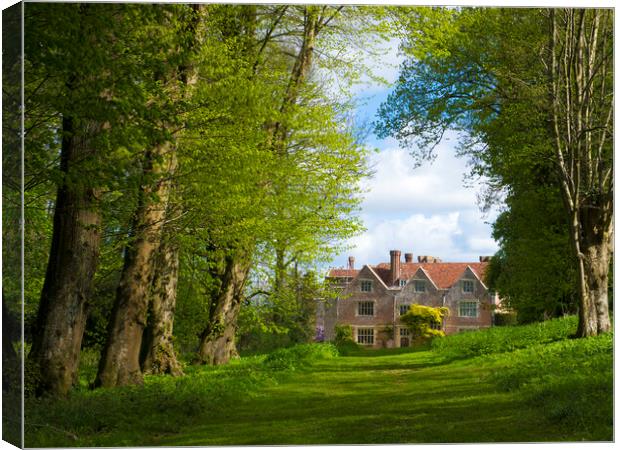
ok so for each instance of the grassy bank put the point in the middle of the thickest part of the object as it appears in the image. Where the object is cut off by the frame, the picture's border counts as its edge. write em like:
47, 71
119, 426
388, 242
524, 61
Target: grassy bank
520, 391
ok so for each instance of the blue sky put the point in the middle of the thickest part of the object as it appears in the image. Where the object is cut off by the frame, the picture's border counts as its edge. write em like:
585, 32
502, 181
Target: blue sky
424, 211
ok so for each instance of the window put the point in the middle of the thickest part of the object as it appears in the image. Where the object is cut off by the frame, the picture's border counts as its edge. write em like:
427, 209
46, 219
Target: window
420, 286
468, 286
366, 286
403, 282
468, 309
402, 309
436, 326
366, 309
365, 336
404, 332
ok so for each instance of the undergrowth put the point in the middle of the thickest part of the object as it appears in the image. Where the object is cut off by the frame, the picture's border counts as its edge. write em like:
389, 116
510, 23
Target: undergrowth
90, 417
570, 380
503, 339
299, 356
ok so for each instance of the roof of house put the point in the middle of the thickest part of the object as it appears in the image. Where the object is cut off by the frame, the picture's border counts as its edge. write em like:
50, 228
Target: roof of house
443, 274
343, 273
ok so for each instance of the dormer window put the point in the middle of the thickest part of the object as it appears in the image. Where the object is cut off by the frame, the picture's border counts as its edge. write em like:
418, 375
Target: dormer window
419, 286
403, 282
468, 286
366, 286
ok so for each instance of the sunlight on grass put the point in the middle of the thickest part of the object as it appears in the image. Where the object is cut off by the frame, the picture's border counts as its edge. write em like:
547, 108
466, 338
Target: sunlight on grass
309, 395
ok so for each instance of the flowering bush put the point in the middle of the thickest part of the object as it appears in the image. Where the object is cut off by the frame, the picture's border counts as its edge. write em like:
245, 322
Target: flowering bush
420, 319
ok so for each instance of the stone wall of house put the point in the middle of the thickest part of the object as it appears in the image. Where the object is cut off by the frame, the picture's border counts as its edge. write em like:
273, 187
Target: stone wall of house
383, 308
386, 307
455, 295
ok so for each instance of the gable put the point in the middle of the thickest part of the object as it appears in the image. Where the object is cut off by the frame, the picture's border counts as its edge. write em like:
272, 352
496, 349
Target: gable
423, 275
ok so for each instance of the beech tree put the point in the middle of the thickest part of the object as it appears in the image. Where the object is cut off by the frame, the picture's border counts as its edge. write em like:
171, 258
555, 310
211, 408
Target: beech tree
522, 85
75, 243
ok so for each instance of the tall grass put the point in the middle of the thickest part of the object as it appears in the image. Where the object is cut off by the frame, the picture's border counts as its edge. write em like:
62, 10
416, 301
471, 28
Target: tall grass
299, 356
570, 380
503, 339
119, 416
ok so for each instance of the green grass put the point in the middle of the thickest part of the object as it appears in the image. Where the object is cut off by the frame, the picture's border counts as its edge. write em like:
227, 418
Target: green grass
560, 390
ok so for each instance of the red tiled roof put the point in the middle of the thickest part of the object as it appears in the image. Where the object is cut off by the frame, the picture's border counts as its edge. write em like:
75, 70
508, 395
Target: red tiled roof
443, 274
342, 273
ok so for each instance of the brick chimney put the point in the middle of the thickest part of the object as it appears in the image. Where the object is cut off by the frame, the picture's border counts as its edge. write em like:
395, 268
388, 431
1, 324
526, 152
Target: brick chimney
428, 259
394, 265
485, 258
351, 262
408, 257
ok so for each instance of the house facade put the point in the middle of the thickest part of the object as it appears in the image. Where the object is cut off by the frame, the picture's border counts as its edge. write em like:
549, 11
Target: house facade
372, 299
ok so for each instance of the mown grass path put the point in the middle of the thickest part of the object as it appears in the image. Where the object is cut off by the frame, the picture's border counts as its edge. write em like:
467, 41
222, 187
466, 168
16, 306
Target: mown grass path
400, 398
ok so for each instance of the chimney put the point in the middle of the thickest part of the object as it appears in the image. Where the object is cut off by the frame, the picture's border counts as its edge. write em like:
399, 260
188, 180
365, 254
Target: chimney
485, 258
394, 265
351, 262
428, 259
408, 257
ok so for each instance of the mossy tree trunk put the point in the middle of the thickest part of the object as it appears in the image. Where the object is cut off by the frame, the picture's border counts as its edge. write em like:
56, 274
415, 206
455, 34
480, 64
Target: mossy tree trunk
217, 341
73, 259
120, 362
158, 355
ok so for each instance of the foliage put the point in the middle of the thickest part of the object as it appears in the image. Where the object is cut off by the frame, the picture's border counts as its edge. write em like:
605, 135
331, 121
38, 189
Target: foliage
343, 333
504, 339
299, 356
498, 77
570, 380
533, 271
268, 321
419, 319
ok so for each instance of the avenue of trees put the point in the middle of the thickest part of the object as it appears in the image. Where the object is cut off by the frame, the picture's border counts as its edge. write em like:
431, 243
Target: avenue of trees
531, 91
185, 168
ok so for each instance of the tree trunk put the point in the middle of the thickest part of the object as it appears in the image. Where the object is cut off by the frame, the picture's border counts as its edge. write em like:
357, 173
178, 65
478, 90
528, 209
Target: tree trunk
579, 64
594, 262
217, 341
120, 362
159, 356
72, 263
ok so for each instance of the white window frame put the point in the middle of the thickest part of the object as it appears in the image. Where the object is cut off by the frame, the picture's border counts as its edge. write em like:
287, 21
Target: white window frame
404, 332
402, 283
417, 284
365, 336
400, 309
475, 303
366, 283
467, 283
365, 303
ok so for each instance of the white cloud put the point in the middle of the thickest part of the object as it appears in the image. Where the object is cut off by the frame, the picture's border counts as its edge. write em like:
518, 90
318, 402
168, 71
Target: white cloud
424, 211
431, 188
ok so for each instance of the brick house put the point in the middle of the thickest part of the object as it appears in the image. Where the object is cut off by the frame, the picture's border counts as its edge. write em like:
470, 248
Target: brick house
372, 298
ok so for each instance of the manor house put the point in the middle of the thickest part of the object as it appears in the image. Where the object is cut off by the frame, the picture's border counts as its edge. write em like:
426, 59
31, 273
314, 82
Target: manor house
372, 298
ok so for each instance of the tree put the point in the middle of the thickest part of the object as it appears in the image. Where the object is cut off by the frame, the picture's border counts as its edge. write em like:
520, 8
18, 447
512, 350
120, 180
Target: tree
524, 85
532, 273
75, 243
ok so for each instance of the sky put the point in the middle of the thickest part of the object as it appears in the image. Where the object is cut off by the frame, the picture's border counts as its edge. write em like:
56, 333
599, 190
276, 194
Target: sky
425, 210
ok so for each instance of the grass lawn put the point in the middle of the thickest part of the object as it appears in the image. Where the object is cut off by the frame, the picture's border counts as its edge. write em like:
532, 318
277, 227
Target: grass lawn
376, 399
463, 390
